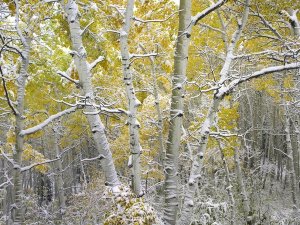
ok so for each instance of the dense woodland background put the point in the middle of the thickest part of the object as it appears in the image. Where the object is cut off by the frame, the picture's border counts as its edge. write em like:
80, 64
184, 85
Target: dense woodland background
149, 112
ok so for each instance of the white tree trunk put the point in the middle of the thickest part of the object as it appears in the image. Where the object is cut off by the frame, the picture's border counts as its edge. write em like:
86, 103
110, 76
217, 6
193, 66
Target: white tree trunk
83, 68
176, 114
133, 102
17, 209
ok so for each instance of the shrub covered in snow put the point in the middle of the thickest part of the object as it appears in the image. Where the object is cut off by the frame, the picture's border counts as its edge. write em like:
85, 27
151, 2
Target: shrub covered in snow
127, 209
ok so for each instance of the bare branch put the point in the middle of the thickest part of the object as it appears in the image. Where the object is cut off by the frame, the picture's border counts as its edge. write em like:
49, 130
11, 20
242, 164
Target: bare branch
65, 75
207, 11
85, 29
268, 25
91, 159
154, 21
222, 91
9, 102
142, 55
25, 168
47, 121
98, 60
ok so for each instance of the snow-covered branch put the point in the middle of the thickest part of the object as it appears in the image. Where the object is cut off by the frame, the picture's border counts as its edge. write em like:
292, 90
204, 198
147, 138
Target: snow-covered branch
118, 9
7, 182
98, 60
227, 89
106, 31
154, 21
223, 134
142, 55
65, 75
9, 102
92, 159
25, 168
104, 109
233, 43
47, 121
51, 1
85, 29
11, 161
266, 52
207, 11
268, 25
83, 103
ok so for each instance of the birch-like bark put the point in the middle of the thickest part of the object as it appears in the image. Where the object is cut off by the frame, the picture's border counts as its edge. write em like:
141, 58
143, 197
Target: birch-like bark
59, 173
83, 68
18, 208
206, 126
176, 114
133, 102
294, 21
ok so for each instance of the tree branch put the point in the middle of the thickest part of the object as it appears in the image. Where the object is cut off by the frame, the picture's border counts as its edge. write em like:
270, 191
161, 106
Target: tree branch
47, 121
227, 89
65, 75
15, 111
98, 60
154, 21
207, 11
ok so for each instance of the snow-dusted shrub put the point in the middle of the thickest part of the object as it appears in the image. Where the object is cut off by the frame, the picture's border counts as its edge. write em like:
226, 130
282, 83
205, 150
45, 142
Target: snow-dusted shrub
127, 209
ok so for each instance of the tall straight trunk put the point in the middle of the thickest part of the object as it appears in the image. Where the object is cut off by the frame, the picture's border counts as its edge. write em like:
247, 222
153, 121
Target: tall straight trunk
133, 102
59, 173
18, 208
176, 114
290, 163
82, 66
